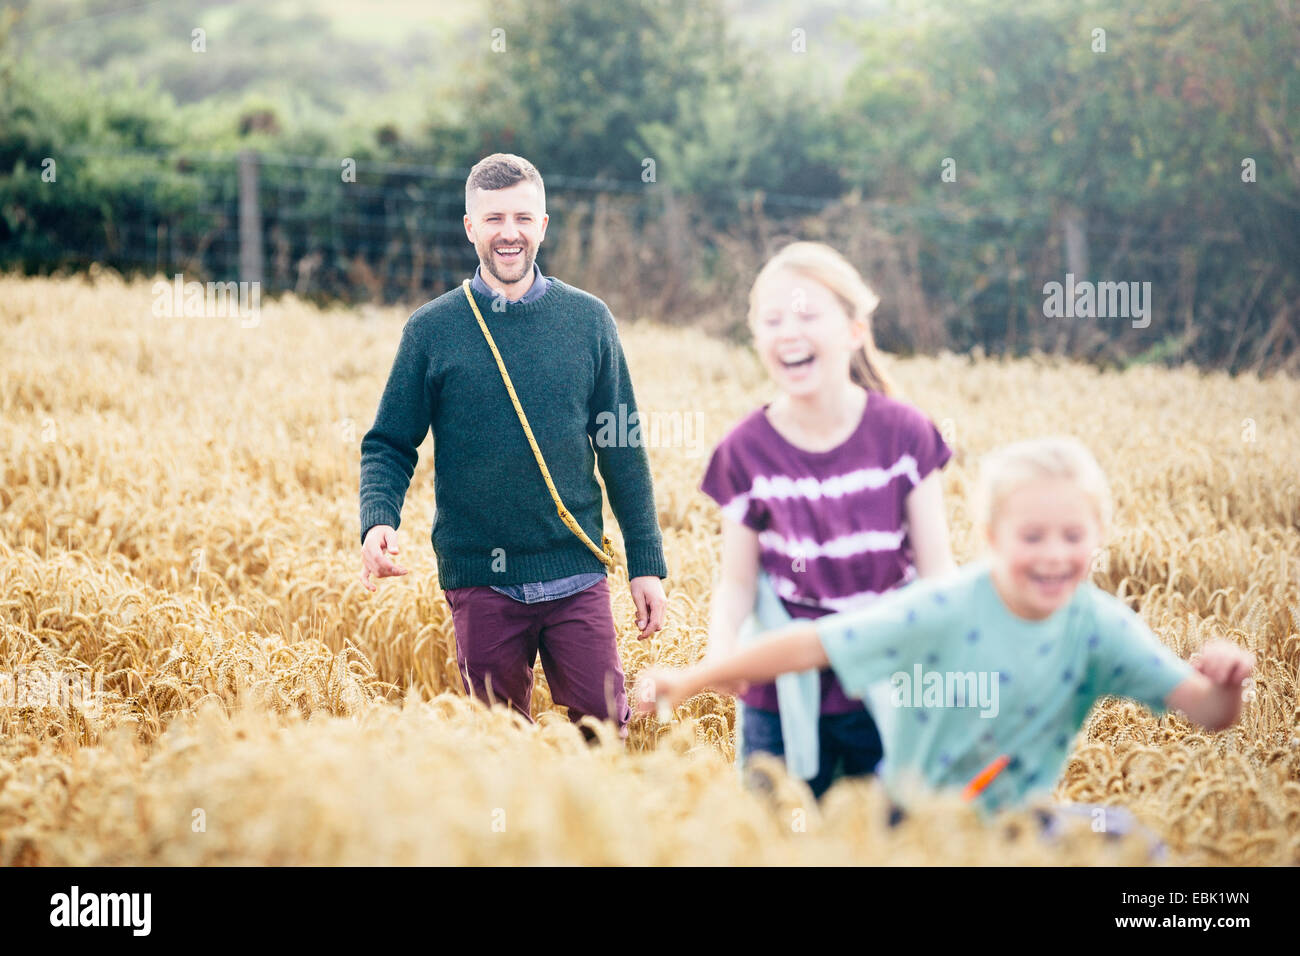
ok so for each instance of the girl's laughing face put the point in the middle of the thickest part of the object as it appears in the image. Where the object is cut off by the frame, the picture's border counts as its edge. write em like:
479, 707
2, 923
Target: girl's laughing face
803, 334
1043, 539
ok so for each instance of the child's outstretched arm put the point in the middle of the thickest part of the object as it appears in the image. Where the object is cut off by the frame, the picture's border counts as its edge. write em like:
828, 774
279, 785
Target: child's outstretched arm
793, 648
1212, 696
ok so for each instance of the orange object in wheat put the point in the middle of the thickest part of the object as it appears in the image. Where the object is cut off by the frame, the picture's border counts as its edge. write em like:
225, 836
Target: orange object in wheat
982, 779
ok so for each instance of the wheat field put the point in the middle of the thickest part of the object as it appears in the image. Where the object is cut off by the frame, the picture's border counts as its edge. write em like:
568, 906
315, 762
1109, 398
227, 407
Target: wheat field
178, 519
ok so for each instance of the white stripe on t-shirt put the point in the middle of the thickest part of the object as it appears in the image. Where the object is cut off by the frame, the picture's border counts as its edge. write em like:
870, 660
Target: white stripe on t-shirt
845, 546
789, 590
781, 487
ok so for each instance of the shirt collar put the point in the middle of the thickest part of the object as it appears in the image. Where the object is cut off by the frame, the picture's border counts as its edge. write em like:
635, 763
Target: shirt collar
535, 291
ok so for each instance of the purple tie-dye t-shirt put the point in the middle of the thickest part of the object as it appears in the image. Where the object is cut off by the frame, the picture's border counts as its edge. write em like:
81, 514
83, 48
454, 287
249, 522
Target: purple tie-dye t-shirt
832, 526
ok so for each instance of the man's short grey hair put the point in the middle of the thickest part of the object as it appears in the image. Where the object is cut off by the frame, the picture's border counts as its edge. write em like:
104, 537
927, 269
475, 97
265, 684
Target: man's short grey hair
501, 171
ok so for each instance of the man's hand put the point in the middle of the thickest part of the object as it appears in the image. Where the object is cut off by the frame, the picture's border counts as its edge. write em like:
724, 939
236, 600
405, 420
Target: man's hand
379, 539
648, 596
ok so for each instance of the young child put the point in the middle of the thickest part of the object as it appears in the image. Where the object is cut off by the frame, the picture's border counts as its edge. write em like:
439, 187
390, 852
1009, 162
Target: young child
831, 498
980, 679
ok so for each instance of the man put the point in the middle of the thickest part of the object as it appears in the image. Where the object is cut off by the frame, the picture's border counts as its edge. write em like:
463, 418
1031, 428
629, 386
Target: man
518, 581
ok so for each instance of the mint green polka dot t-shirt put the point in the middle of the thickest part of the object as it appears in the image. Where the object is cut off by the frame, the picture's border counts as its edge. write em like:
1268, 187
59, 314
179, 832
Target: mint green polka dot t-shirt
955, 680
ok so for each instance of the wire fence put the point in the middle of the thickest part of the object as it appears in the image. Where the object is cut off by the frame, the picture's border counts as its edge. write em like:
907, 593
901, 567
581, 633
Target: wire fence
321, 228
951, 273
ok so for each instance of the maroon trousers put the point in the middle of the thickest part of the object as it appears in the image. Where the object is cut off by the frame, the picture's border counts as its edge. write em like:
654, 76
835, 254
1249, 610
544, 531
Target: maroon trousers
498, 640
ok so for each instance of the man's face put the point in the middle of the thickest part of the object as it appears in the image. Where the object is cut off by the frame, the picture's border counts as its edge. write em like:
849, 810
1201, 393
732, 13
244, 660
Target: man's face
506, 227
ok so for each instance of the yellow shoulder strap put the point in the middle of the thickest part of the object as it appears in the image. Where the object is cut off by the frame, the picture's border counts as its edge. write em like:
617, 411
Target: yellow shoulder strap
607, 554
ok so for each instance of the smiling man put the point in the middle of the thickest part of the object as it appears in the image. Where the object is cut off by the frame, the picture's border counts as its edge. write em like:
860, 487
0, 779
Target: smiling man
518, 581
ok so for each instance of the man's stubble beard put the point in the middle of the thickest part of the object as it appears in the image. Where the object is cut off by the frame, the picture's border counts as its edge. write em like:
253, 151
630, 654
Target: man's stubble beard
530, 256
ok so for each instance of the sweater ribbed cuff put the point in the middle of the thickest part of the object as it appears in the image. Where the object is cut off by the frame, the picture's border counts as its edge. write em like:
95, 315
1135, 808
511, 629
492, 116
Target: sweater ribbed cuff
373, 514
646, 559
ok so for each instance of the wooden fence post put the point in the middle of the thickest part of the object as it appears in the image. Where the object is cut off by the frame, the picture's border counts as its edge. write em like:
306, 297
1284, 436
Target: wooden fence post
250, 219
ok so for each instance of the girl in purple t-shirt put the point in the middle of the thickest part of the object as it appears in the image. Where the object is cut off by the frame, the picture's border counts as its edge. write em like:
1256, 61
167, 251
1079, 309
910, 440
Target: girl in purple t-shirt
832, 489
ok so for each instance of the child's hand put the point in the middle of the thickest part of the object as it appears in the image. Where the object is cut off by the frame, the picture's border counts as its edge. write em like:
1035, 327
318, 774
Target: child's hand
659, 689
1224, 663
1212, 697
733, 687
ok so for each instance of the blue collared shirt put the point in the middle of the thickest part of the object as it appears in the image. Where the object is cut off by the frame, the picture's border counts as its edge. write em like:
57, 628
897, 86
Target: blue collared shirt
535, 291
535, 591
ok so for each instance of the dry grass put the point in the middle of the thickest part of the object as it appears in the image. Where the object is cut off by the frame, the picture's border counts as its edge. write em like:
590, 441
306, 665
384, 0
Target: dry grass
178, 515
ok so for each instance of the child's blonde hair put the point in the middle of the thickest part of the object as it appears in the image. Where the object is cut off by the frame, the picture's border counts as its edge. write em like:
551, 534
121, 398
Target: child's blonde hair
1004, 469
824, 265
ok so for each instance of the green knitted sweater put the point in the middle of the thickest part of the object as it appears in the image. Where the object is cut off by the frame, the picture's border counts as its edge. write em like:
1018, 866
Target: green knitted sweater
495, 520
